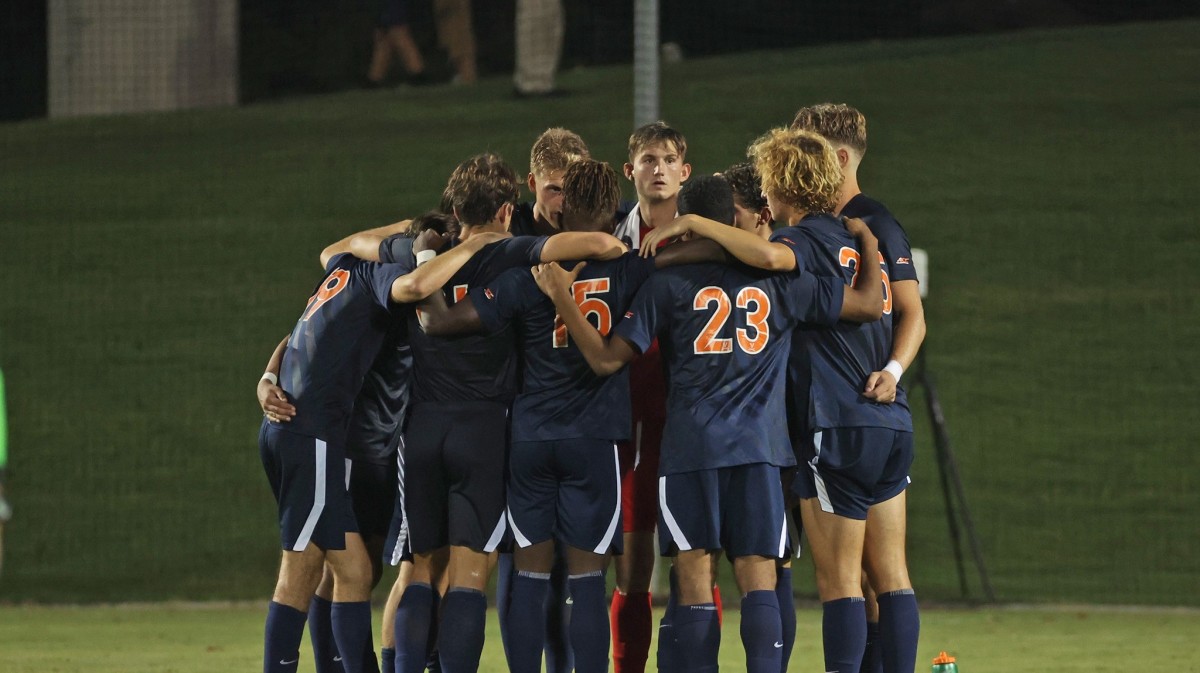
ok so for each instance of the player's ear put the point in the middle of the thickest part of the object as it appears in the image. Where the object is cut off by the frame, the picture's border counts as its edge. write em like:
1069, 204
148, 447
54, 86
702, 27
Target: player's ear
764, 215
843, 156
504, 214
685, 173
532, 182
628, 171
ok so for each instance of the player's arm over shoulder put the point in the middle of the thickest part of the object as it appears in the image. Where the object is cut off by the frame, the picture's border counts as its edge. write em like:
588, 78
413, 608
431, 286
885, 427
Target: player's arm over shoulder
359, 242
574, 245
430, 277
605, 356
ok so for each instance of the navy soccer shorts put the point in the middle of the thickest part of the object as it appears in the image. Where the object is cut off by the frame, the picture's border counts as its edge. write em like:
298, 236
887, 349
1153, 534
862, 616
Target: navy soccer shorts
373, 492
455, 469
738, 509
567, 489
308, 478
851, 469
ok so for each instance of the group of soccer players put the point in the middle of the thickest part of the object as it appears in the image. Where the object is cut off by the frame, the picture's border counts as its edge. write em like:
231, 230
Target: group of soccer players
543, 386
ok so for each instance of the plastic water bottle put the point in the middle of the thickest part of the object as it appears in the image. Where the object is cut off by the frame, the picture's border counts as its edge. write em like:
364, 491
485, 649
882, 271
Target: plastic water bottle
944, 663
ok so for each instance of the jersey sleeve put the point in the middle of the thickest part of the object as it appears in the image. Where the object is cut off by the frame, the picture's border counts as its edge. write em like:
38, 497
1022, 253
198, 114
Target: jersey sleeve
397, 250
647, 314
380, 277
805, 298
798, 242
896, 251
499, 302
526, 250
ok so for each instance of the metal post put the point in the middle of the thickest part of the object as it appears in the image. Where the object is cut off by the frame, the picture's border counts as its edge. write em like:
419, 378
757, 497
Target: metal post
645, 62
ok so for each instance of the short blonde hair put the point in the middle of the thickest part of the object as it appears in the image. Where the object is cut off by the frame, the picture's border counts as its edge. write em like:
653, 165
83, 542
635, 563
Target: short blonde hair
556, 149
799, 168
838, 122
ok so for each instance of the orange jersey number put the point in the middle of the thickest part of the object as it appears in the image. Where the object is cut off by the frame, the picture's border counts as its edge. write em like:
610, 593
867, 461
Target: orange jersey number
849, 258
335, 283
708, 343
588, 305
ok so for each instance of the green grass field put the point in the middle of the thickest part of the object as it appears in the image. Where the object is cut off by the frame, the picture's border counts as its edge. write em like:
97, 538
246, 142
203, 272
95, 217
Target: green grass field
202, 638
151, 262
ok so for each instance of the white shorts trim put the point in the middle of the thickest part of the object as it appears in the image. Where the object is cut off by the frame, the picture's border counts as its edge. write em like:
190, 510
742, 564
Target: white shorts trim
314, 514
677, 536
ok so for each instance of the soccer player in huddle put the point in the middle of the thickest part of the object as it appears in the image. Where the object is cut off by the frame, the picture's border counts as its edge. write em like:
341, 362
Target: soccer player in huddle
726, 334
457, 436
554, 150
857, 449
564, 480
846, 130
373, 444
323, 362
749, 205
657, 167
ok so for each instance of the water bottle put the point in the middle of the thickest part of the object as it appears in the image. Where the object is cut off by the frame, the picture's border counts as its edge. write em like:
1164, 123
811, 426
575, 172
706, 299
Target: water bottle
944, 663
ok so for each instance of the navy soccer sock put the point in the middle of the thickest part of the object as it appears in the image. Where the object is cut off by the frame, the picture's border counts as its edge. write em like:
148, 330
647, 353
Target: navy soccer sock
352, 633
762, 633
285, 628
844, 632
668, 660
559, 656
432, 663
320, 632
413, 617
527, 621
506, 572
589, 622
387, 659
698, 637
899, 630
787, 614
872, 654
460, 636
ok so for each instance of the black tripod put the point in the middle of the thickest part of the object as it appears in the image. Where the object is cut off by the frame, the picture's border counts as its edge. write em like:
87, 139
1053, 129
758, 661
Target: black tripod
952, 489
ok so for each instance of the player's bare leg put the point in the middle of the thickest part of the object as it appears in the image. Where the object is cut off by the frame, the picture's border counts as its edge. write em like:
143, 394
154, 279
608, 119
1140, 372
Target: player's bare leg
836, 543
299, 574
886, 563
414, 620
762, 627
388, 635
464, 609
694, 622
351, 611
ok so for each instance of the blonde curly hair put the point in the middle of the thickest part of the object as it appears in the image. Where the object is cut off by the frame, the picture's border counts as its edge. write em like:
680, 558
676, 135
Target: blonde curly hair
799, 168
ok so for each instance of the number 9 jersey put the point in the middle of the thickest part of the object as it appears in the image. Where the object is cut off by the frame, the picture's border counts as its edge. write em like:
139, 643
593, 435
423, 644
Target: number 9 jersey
725, 333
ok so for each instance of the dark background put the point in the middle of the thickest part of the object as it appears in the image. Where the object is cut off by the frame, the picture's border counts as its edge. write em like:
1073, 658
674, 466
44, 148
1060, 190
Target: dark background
309, 46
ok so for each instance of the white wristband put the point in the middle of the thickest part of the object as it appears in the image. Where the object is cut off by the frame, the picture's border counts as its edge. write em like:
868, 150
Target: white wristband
895, 369
425, 255
270, 376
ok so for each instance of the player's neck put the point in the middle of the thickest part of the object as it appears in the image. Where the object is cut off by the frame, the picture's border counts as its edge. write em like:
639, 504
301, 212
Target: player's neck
849, 190
654, 214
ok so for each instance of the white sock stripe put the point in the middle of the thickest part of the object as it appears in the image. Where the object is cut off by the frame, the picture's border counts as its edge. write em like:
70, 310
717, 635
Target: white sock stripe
314, 514
533, 576
606, 541
676, 533
594, 573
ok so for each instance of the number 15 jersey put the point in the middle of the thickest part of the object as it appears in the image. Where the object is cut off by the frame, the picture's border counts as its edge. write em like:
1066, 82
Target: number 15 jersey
725, 333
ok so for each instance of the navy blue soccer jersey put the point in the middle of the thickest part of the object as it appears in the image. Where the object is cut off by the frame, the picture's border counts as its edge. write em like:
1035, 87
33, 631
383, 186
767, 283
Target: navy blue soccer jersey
397, 249
893, 242
830, 367
561, 398
475, 367
382, 401
725, 333
334, 343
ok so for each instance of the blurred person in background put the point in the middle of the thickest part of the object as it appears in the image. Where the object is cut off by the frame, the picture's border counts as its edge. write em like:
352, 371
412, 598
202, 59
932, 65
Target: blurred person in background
539, 42
455, 35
